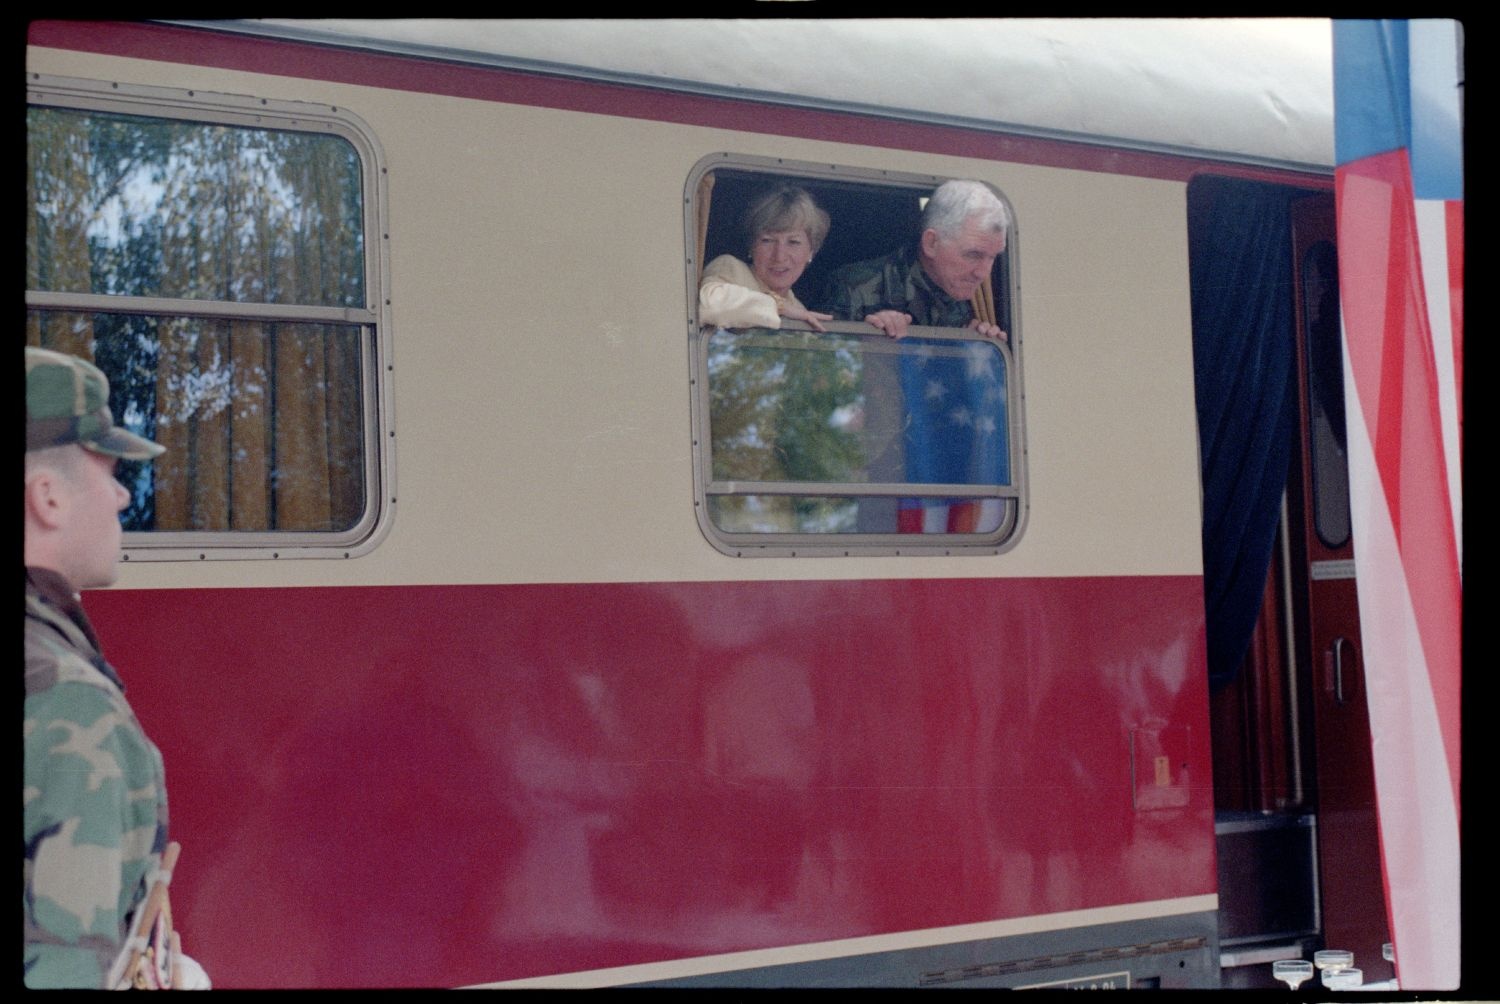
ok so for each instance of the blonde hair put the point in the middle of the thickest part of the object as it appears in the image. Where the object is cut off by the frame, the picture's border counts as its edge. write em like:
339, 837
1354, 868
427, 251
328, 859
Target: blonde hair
787, 207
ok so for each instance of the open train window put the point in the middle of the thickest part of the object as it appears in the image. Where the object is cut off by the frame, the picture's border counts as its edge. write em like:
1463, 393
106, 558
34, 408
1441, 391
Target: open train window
847, 441
213, 255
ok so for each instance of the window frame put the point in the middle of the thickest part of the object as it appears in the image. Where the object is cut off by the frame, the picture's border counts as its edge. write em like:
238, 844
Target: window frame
373, 320
740, 545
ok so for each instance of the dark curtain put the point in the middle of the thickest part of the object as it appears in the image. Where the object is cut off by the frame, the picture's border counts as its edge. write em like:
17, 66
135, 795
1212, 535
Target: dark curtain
1244, 366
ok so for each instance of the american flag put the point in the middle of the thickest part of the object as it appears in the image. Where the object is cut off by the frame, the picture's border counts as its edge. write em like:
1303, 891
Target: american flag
956, 433
1399, 193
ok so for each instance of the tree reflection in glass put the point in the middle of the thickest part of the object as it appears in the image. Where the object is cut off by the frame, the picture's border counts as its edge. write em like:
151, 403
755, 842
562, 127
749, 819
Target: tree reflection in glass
822, 415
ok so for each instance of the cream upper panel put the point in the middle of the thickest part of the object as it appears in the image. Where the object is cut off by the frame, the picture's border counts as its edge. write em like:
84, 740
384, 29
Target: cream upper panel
541, 367
1260, 87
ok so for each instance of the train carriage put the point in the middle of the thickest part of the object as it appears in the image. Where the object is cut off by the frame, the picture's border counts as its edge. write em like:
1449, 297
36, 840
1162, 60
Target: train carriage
487, 644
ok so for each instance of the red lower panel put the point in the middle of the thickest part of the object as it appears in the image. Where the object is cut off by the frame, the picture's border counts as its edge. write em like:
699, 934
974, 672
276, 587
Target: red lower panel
447, 785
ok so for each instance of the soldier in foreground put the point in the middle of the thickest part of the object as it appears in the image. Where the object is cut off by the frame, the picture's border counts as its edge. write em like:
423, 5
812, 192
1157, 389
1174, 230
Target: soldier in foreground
94, 794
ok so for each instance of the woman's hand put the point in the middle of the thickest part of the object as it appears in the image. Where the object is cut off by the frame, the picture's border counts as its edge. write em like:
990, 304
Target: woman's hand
798, 313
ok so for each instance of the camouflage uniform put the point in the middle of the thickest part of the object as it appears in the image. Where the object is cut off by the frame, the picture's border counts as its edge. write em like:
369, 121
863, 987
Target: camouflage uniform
894, 281
94, 797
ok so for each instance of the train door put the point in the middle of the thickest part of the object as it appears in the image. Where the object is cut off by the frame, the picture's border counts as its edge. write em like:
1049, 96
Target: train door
1299, 864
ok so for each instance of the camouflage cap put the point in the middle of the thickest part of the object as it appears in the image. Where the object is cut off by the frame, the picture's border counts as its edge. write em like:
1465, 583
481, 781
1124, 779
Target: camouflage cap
67, 401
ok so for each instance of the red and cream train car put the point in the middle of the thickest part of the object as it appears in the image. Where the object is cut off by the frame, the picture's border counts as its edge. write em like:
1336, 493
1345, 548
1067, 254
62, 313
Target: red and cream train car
499, 624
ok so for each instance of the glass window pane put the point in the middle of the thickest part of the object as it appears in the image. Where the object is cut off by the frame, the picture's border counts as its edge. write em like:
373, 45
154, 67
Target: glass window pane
1325, 383
834, 514
136, 206
263, 422
783, 514
803, 407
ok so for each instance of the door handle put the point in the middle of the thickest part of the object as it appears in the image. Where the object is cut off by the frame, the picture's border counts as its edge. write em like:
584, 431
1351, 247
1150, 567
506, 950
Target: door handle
1336, 656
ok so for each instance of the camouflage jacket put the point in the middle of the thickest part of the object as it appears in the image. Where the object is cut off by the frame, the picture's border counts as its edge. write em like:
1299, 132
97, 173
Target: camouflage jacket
892, 282
94, 803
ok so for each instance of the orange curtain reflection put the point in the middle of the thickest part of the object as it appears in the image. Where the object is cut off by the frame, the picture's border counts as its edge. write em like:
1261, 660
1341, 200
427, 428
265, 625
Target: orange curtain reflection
705, 194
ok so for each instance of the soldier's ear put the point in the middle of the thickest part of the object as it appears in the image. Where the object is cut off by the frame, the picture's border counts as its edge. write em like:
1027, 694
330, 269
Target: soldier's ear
47, 497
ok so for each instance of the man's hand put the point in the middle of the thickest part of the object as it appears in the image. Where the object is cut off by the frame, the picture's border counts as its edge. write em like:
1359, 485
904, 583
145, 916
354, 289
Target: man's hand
893, 322
988, 330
